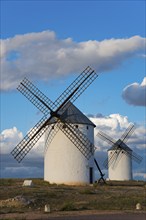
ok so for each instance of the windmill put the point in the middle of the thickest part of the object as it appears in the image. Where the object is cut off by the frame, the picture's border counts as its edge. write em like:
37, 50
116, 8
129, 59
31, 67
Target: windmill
119, 161
55, 120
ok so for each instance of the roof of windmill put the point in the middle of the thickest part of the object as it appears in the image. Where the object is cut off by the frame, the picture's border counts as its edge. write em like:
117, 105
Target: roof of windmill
73, 115
121, 144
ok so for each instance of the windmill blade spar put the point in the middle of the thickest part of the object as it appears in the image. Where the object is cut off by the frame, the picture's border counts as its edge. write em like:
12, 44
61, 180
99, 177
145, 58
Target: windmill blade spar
77, 87
118, 156
77, 138
127, 133
52, 132
20, 151
33, 94
106, 138
110, 160
137, 158
45, 105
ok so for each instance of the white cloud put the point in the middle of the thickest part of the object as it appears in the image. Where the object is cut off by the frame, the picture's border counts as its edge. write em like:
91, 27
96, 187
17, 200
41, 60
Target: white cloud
135, 94
9, 138
42, 56
114, 125
139, 175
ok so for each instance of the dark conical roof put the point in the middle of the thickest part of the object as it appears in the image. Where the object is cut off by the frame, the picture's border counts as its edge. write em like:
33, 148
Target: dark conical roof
73, 115
121, 145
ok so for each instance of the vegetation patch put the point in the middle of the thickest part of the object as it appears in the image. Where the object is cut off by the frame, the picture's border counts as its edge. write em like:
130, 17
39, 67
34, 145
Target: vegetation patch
68, 206
15, 198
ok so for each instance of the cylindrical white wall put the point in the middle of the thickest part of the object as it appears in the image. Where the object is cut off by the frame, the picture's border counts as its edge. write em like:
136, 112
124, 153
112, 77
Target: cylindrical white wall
64, 163
121, 168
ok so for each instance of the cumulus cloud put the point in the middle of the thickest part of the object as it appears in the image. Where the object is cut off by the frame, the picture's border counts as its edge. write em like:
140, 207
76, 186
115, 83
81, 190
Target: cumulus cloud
42, 56
32, 164
138, 175
135, 94
114, 125
9, 138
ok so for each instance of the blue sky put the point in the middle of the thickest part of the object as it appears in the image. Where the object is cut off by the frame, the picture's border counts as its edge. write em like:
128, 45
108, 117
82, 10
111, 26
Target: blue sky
51, 42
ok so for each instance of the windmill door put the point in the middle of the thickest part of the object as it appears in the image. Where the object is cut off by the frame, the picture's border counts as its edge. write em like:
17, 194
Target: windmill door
91, 175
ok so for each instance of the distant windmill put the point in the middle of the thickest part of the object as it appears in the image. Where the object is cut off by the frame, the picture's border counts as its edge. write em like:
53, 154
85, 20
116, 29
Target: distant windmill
58, 127
119, 161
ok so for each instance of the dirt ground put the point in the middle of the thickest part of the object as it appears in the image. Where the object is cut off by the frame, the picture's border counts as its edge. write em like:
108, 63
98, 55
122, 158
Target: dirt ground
116, 200
77, 215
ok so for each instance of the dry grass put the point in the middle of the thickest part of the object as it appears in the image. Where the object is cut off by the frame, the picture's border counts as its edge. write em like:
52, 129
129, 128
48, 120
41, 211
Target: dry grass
113, 196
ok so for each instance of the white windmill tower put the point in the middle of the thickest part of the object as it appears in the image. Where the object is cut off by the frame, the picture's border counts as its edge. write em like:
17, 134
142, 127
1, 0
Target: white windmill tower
119, 161
63, 162
66, 131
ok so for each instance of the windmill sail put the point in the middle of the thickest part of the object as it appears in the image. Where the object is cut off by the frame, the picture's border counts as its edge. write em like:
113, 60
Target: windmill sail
119, 147
21, 150
33, 94
47, 106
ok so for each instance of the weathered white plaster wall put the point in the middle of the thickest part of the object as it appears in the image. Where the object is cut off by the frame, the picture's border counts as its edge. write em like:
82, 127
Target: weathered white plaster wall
64, 163
120, 169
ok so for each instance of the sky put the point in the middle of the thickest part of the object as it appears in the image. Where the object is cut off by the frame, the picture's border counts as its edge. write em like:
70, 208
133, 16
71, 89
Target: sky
51, 43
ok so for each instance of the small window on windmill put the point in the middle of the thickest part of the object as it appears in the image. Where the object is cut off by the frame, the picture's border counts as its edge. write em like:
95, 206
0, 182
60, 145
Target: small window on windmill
110, 152
52, 127
122, 151
76, 126
87, 127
